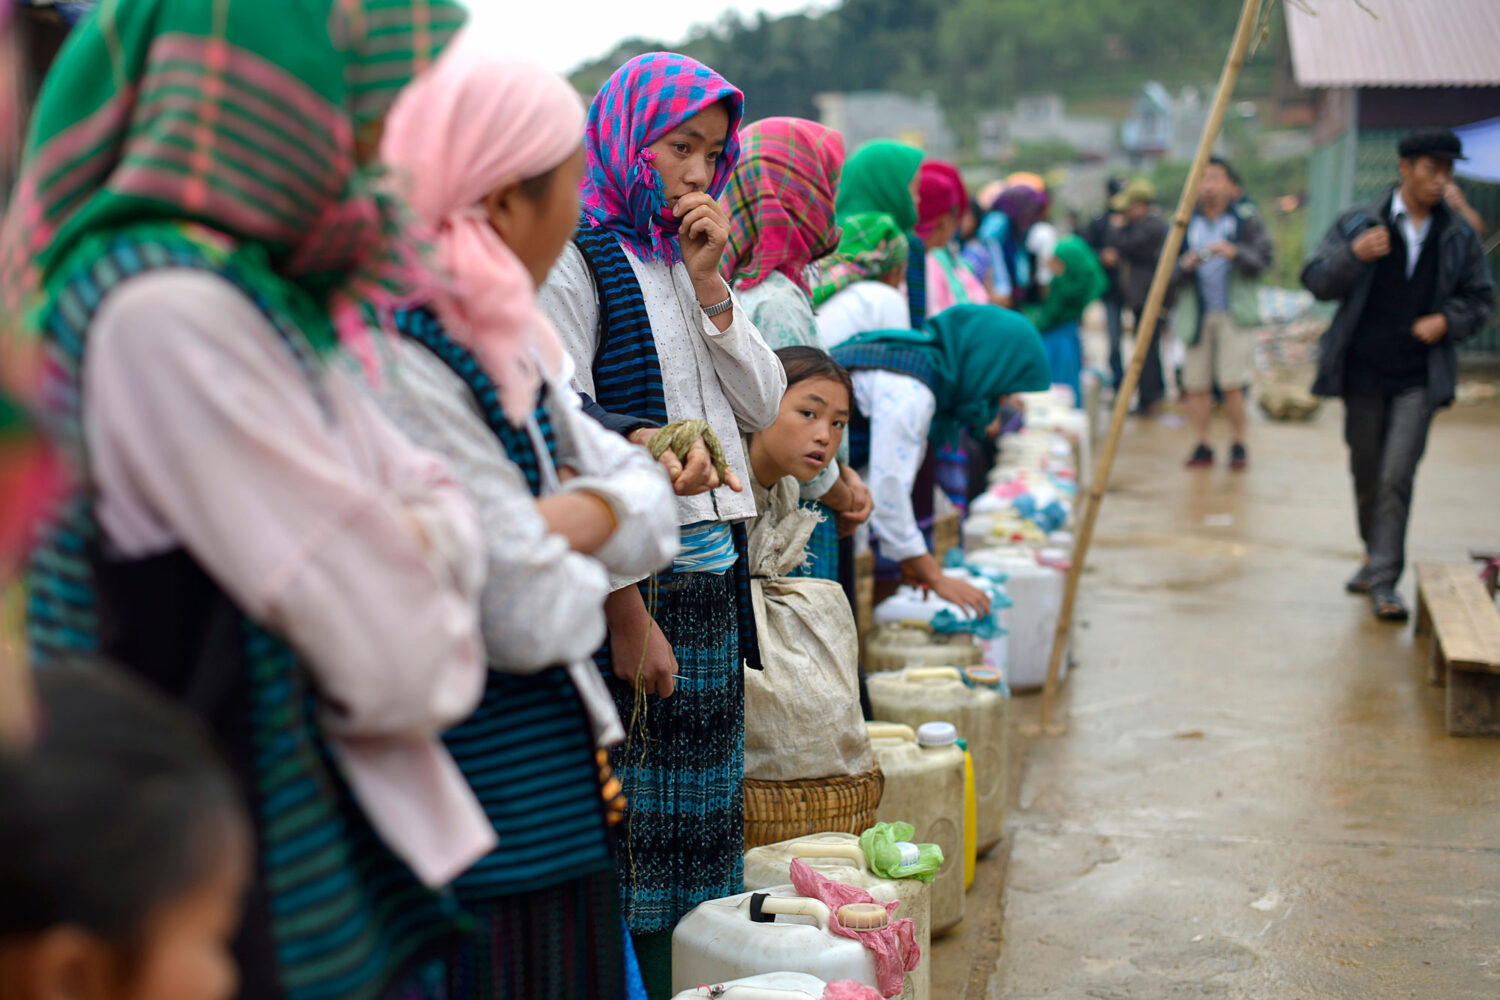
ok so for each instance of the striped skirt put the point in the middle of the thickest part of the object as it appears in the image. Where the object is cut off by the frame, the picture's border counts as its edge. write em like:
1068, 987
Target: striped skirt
683, 763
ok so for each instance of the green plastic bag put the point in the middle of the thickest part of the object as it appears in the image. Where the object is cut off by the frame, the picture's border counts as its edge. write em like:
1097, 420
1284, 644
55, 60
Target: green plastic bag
891, 853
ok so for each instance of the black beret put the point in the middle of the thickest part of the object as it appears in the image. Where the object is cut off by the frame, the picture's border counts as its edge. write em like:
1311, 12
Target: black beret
1436, 142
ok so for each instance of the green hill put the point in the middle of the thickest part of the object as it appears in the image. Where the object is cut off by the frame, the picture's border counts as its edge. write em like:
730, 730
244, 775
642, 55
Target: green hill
974, 54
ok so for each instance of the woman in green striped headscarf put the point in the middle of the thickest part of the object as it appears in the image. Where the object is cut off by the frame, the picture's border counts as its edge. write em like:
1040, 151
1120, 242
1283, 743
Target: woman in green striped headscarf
861, 289
882, 177
196, 228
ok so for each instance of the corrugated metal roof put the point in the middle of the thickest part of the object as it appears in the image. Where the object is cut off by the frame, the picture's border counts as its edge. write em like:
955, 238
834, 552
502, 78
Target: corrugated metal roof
1406, 43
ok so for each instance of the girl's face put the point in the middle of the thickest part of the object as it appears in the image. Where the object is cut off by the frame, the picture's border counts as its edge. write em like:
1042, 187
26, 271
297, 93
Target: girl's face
536, 219
187, 951
807, 431
183, 951
687, 156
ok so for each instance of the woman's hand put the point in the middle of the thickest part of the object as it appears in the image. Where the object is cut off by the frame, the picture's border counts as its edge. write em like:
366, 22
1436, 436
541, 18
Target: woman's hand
861, 502
963, 594
703, 233
632, 631
923, 571
691, 474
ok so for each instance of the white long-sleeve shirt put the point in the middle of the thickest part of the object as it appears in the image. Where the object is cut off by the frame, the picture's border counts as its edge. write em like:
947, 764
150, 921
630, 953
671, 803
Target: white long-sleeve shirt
203, 433
900, 410
730, 378
861, 308
542, 603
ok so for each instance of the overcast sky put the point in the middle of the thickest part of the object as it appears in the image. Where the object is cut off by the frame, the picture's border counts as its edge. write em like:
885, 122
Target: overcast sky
564, 33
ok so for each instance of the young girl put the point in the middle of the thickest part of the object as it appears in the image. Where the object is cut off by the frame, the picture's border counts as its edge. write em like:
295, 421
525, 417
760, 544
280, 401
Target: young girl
488, 148
861, 289
881, 177
914, 387
1078, 279
810, 426
250, 533
941, 203
658, 337
780, 203
125, 850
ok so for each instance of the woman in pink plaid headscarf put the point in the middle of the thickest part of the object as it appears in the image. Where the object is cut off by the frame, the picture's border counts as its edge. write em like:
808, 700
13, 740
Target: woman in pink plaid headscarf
780, 203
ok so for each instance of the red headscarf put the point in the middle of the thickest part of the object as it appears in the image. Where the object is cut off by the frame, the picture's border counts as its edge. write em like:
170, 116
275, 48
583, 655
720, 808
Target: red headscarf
940, 193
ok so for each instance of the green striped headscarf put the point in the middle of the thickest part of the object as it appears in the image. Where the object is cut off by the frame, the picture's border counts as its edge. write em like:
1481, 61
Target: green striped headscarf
877, 178
227, 127
872, 245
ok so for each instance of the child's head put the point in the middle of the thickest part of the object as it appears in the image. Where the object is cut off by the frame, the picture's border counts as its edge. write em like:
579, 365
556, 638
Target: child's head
124, 850
810, 426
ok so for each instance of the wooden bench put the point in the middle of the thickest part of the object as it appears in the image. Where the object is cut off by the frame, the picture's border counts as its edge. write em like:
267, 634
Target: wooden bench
1455, 609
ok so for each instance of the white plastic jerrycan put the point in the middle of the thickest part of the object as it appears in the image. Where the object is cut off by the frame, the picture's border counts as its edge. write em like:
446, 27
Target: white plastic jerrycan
774, 930
773, 986
839, 857
979, 710
924, 786
911, 642
1036, 594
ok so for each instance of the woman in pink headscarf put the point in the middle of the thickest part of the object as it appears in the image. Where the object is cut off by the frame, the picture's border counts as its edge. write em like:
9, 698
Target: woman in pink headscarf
488, 149
942, 200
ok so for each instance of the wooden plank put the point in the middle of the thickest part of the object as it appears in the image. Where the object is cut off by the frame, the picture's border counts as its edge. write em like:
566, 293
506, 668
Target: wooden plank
1463, 617
1473, 703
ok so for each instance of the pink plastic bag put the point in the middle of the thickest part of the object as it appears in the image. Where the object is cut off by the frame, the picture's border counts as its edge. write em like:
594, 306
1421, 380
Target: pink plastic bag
848, 989
895, 945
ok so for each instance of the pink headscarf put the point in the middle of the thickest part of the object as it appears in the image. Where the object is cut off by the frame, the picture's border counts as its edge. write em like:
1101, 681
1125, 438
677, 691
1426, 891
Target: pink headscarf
474, 121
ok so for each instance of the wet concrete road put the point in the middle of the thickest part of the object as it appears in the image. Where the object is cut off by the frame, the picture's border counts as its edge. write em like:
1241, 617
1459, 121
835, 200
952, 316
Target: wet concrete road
1256, 796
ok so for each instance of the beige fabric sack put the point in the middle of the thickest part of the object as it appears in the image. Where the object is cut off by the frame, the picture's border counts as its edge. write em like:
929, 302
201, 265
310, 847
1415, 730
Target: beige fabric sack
802, 716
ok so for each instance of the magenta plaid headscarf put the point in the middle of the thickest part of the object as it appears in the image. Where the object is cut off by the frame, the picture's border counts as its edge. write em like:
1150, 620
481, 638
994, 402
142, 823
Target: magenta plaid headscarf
780, 201
644, 100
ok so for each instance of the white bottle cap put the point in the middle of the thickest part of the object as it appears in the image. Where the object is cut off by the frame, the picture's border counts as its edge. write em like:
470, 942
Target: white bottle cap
936, 734
909, 853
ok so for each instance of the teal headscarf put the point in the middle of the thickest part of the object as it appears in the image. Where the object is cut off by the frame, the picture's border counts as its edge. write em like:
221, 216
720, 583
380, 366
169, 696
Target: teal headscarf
980, 353
877, 178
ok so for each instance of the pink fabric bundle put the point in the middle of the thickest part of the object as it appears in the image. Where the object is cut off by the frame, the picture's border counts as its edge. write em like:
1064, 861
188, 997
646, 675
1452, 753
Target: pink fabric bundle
473, 122
895, 945
848, 989
940, 193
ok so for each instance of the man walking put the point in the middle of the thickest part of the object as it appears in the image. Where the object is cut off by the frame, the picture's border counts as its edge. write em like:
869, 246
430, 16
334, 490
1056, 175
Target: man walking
1411, 282
1227, 249
1136, 235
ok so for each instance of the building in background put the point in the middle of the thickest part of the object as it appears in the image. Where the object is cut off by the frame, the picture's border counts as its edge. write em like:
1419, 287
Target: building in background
1039, 119
1376, 74
1162, 126
863, 115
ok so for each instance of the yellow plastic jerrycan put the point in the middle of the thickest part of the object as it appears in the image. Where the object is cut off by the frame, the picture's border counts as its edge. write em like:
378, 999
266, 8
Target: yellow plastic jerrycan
945, 734
924, 786
977, 702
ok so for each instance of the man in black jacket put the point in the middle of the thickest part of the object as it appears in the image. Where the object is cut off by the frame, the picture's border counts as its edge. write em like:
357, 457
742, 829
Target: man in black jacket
1096, 234
1411, 282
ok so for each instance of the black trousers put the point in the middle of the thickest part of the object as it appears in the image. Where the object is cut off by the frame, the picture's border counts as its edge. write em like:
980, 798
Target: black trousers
1386, 434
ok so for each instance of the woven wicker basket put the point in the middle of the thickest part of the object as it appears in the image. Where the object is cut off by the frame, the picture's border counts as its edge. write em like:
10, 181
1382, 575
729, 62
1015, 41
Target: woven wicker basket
946, 534
780, 810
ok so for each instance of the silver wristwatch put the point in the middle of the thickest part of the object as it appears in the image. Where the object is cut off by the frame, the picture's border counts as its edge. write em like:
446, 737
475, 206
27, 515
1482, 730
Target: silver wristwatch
719, 308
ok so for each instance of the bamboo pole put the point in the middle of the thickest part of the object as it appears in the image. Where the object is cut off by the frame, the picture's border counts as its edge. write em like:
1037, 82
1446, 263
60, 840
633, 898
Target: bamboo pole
1146, 325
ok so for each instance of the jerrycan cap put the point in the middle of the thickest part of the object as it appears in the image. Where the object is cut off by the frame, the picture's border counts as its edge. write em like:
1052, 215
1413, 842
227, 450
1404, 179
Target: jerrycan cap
863, 916
910, 853
937, 734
